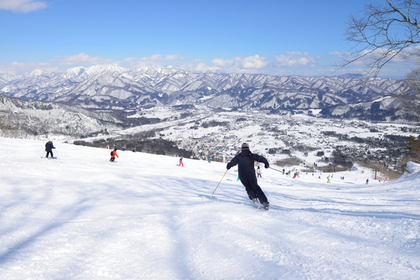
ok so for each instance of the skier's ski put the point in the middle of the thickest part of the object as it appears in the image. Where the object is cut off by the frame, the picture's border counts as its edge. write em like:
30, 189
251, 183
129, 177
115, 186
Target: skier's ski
261, 206
266, 206
257, 204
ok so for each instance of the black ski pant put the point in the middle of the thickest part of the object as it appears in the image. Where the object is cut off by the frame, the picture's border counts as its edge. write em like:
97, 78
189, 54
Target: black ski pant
252, 188
50, 153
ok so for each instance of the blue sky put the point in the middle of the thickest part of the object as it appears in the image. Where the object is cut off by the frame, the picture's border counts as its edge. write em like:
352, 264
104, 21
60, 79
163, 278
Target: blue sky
301, 37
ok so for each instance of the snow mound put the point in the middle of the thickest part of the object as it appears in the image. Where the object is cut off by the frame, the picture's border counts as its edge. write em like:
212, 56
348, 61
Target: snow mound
413, 168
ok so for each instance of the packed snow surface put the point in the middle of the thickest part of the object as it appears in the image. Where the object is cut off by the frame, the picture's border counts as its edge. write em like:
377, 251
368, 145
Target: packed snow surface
144, 217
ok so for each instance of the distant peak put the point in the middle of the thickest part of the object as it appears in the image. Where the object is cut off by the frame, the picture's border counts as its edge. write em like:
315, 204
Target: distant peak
75, 71
39, 72
99, 69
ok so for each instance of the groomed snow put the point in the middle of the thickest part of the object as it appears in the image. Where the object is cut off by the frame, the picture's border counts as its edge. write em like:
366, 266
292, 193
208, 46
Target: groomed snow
82, 217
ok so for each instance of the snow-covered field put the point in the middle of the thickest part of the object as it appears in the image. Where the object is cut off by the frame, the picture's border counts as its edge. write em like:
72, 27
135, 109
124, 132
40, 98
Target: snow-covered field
82, 217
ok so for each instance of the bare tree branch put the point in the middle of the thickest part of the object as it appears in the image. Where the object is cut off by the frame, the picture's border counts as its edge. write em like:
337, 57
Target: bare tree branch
382, 33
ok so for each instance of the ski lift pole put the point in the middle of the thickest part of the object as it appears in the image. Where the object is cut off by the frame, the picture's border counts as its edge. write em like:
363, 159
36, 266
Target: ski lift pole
218, 184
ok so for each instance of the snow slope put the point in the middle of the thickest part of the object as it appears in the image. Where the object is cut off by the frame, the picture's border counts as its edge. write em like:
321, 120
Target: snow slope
82, 217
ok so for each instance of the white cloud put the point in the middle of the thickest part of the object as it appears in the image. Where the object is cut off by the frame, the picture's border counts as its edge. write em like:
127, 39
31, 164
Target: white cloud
154, 57
249, 64
153, 60
130, 59
252, 62
198, 65
294, 59
19, 66
338, 54
223, 63
290, 63
174, 57
22, 6
83, 59
407, 56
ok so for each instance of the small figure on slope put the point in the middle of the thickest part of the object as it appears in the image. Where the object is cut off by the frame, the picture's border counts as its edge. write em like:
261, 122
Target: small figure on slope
245, 161
113, 155
180, 162
48, 148
259, 172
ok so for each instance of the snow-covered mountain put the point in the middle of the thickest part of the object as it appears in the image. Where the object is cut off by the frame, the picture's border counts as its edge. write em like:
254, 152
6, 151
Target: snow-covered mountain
388, 108
113, 87
21, 118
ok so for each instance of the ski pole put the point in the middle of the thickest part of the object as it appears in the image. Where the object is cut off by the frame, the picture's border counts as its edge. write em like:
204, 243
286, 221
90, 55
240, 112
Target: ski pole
218, 184
276, 169
57, 153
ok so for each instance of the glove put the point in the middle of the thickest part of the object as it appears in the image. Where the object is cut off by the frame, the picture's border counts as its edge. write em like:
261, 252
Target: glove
267, 166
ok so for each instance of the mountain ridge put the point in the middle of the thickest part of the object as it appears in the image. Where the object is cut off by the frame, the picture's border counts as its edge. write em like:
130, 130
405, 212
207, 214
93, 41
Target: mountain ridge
112, 87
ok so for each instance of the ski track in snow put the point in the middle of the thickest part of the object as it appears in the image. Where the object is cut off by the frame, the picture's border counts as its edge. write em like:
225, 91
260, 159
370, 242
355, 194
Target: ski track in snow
82, 217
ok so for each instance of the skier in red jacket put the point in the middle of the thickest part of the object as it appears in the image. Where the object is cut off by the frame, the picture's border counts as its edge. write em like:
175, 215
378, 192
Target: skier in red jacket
113, 155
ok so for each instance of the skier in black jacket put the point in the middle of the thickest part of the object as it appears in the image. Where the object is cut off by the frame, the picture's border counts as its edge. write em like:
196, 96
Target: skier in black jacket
48, 148
245, 160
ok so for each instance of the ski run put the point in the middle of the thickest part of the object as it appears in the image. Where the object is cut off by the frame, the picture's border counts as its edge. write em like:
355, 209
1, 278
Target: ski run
82, 217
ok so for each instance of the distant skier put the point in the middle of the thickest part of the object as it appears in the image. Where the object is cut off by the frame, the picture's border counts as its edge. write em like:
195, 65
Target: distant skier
180, 162
259, 172
113, 155
367, 181
245, 161
48, 148
209, 159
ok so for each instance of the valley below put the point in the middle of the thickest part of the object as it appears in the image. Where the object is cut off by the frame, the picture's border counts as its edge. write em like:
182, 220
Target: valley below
291, 141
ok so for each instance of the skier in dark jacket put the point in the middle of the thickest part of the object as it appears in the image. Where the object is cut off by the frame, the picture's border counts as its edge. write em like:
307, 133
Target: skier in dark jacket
48, 148
245, 161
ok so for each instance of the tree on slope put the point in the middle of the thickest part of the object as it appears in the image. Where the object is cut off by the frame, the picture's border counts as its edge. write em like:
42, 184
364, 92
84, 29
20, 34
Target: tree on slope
414, 145
385, 32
